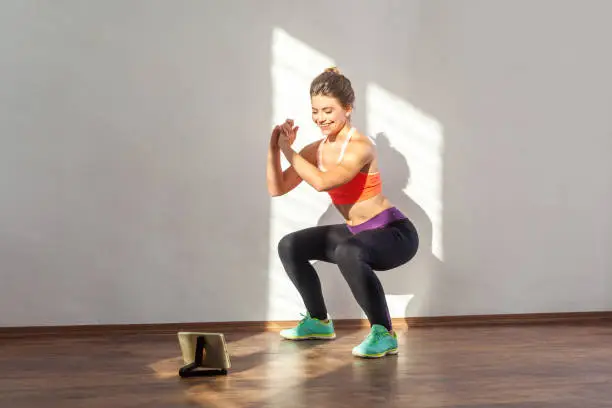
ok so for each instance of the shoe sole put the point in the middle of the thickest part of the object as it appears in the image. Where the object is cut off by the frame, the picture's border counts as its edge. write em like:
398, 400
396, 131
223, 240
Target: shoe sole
377, 355
312, 337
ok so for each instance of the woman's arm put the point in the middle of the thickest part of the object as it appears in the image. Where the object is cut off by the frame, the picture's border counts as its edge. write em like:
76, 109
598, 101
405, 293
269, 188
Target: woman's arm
357, 155
274, 172
281, 182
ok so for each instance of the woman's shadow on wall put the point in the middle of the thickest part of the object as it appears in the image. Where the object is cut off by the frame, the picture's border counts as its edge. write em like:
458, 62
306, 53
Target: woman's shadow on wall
406, 287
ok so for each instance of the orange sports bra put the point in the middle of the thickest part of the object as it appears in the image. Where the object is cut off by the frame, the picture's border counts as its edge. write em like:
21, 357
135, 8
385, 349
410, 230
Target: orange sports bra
361, 187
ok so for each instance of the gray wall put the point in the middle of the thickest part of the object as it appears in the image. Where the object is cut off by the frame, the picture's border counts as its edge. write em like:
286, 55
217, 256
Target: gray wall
125, 124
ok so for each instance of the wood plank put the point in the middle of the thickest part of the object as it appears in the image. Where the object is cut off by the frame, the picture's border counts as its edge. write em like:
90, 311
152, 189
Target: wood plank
537, 366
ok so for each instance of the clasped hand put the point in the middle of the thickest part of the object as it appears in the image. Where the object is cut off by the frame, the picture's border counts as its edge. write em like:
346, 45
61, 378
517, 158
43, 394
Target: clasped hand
285, 134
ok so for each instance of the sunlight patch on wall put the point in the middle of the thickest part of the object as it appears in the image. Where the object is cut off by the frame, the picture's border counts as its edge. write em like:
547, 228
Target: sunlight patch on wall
294, 65
418, 137
397, 305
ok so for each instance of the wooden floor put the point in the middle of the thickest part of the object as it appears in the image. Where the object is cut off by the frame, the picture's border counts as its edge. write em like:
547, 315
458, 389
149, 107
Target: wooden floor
524, 366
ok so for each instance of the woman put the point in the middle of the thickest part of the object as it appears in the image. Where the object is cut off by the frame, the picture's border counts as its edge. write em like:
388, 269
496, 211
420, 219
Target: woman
375, 235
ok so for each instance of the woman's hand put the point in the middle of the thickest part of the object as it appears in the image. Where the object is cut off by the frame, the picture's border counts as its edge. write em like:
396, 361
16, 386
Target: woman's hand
288, 134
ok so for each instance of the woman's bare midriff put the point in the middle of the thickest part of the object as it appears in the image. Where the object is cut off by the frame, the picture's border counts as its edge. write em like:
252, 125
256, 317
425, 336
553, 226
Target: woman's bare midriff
360, 212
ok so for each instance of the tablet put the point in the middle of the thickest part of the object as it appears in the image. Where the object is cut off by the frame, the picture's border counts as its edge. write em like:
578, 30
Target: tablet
203, 353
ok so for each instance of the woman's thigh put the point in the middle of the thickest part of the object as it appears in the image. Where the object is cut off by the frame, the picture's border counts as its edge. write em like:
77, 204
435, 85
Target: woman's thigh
315, 243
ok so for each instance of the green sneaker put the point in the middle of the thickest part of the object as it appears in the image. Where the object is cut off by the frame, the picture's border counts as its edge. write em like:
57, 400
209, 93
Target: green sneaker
310, 328
379, 343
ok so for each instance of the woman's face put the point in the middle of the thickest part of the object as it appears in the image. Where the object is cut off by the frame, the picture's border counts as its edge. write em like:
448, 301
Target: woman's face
328, 114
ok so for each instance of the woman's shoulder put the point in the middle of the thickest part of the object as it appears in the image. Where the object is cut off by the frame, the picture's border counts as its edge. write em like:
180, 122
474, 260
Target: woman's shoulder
361, 148
361, 140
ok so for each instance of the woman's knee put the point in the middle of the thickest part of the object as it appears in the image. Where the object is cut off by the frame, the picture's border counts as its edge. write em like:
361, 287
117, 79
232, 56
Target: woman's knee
287, 247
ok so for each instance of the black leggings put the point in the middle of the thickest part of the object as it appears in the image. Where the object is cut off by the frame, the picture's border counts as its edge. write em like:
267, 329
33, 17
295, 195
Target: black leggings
357, 256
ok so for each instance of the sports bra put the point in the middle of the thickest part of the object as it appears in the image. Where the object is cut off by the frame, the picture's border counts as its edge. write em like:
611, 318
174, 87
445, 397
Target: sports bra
361, 187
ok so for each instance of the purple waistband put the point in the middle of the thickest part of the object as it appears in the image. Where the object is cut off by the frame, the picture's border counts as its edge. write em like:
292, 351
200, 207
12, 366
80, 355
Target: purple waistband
378, 221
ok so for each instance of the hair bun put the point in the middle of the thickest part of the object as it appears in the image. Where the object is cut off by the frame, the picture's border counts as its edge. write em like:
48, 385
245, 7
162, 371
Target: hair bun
334, 69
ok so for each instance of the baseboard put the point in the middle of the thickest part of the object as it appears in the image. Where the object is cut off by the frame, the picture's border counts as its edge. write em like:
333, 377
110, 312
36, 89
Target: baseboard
341, 324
